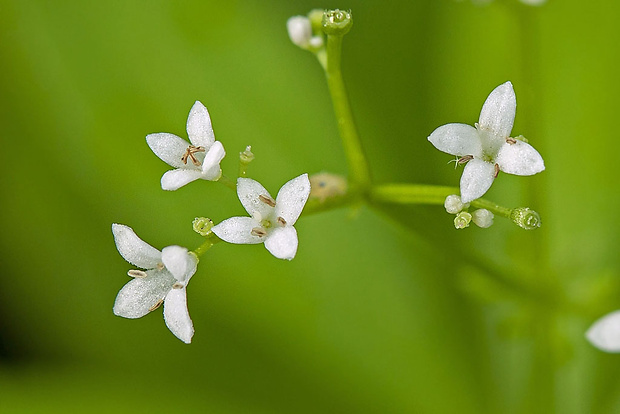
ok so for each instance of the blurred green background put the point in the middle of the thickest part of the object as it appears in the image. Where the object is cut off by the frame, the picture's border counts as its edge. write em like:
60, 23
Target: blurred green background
390, 311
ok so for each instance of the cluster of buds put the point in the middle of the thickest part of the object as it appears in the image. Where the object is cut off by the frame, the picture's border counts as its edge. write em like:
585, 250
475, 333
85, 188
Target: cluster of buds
480, 217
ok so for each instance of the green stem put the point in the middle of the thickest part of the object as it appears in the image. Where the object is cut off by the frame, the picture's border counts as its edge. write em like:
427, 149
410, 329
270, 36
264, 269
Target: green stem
427, 194
209, 242
359, 173
228, 182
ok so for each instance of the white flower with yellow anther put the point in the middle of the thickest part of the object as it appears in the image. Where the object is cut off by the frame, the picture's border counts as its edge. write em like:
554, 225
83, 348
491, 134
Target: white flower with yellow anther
488, 148
198, 159
605, 333
162, 278
271, 221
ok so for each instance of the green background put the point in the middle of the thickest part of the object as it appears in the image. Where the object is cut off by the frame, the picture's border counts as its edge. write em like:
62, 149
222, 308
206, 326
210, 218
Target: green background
380, 312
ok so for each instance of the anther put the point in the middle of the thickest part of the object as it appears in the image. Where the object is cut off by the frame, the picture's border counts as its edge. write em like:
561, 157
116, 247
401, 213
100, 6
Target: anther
496, 171
157, 305
267, 200
177, 285
281, 221
160, 266
465, 159
137, 273
189, 153
511, 141
258, 232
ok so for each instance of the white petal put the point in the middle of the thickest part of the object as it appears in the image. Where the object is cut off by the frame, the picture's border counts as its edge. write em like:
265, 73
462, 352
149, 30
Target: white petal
211, 164
520, 158
498, 111
238, 230
180, 262
249, 191
134, 249
292, 198
457, 139
477, 178
605, 333
176, 315
168, 147
175, 179
199, 127
138, 296
299, 30
282, 242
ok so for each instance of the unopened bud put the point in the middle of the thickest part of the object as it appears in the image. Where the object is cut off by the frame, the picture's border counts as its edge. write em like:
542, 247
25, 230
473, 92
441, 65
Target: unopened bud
337, 22
482, 218
525, 217
453, 204
462, 220
202, 225
299, 30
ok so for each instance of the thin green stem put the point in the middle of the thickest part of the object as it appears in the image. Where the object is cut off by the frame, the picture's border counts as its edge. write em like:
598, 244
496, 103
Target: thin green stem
228, 182
359, 173
209, 242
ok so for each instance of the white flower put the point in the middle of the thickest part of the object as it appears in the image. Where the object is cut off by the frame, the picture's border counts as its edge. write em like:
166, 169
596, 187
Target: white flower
271, 220
605, 332
299, 30
200, 159
488, 149
164, 278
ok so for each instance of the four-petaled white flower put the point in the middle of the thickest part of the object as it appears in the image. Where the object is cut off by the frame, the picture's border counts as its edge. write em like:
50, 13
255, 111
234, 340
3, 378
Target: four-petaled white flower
488, 148
605, 332
200, 159
271, 220
164, 279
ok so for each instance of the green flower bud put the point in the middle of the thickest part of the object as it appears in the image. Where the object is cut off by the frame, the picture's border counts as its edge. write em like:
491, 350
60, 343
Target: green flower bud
337, 22
525, 217
316, 20
462, 220
202, 225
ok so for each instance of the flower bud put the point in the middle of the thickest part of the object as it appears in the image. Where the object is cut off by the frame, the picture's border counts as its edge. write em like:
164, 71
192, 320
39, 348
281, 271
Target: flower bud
202, 225
462, 220
316, 20
482, 218
525, 217
453, 204
337, 22
299, 30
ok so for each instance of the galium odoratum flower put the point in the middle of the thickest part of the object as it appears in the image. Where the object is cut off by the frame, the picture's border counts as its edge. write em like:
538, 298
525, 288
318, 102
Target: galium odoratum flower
605, 332
271, 221
487, 148
198, 159
162, 278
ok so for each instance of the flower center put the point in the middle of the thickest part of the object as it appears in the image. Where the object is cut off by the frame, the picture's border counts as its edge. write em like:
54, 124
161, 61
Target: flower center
189, 154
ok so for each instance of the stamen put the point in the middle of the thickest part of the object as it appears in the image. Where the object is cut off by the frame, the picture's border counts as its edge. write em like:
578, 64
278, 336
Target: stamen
496, 170
177, 285
258, 232
189, 153
281, 221
267, 200
160, 266
465, 159
511, 141
157, 305
137, 273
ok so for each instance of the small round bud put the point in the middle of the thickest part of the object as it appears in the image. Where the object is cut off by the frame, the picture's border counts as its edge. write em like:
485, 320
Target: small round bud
202, 225
316, 20
525, 217
462, 220
299, 30
337, 22
453, 204
482, 218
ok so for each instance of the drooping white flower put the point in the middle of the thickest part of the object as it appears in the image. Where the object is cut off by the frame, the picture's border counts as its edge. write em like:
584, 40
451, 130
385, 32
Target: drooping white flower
488, 148
271, 221
605, 332
164, 279
200, 158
